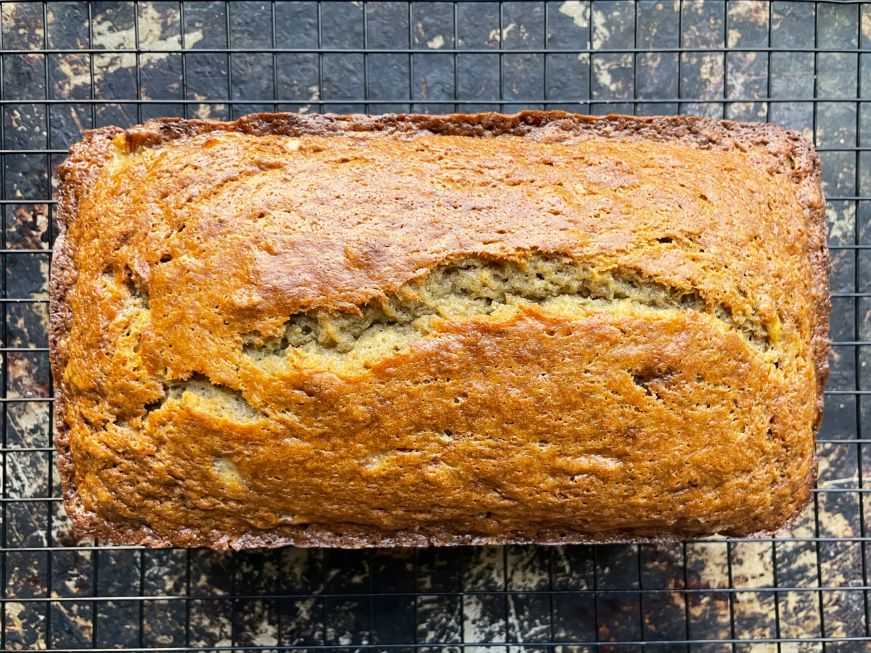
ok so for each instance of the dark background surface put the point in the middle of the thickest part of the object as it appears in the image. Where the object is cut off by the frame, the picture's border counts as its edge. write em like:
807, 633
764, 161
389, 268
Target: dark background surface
69, 66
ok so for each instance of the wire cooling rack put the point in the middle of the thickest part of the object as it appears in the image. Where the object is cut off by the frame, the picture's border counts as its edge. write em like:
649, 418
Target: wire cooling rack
69, 66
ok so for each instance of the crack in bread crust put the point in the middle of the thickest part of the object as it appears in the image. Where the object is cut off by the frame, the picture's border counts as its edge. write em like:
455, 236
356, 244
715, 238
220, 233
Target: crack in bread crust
467, 289
79, 174
477, 288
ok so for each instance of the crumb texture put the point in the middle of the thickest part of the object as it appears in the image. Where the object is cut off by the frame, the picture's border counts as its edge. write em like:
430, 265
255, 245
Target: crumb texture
418, 330
473, 288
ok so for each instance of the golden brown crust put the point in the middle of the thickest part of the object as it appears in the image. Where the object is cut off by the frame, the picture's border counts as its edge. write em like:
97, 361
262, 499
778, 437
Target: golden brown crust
78, 173
772, 151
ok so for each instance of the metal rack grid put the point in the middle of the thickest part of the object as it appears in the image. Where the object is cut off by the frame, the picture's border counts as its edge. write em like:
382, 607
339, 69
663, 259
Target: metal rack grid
68, 66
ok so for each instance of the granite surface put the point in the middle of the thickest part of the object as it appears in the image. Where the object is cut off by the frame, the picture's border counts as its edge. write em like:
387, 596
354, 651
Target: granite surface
740, 59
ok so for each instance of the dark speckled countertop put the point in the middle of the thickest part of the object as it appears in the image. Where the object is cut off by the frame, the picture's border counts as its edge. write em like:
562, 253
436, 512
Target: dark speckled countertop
805, 65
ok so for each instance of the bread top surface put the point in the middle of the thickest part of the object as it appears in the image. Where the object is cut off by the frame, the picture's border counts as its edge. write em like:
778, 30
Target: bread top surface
189, 243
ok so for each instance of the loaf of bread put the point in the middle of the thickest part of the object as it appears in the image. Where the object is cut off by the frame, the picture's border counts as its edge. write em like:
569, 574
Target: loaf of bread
411, 330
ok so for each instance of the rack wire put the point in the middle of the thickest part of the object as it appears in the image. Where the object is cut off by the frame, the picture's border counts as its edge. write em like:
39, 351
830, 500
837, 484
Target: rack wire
69, 66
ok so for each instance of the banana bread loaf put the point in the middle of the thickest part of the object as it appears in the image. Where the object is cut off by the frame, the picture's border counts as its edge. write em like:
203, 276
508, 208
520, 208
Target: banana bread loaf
411, 330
